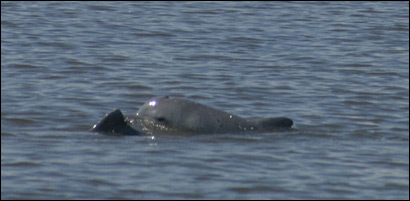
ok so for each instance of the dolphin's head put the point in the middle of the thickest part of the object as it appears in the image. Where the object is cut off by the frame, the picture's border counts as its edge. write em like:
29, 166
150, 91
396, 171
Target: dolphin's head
163, 111
168, 113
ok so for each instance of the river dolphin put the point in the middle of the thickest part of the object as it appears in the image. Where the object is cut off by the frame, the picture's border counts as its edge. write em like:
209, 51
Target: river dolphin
167, 114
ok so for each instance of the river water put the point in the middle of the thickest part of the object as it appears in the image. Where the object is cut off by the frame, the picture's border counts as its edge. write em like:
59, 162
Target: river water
340, 70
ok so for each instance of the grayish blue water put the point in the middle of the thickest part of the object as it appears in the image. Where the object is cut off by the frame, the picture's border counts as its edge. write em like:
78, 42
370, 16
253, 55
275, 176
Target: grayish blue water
340, 70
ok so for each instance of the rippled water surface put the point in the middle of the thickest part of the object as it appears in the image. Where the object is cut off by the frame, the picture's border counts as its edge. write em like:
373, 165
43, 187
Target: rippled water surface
340, 70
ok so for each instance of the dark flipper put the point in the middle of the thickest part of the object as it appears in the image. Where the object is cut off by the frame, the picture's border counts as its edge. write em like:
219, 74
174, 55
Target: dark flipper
114, 122
276, 122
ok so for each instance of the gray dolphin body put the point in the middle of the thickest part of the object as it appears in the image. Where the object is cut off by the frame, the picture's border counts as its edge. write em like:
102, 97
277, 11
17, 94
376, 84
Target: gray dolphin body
176, 115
